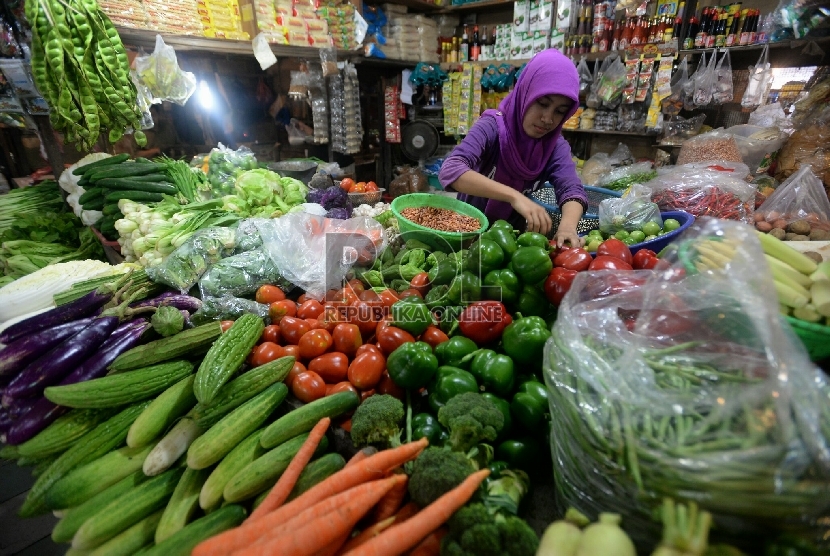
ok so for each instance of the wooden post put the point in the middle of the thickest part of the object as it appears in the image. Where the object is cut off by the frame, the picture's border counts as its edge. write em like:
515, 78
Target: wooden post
50, 145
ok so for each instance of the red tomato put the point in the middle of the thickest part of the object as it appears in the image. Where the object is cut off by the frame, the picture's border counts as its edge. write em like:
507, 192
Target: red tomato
315, 324
333, 367
368, 296
314, 343
434, 336
371, 186
279, 309
391, 337
265, 353
311, 309
366, 394
367, 369
356, 286
271, 334
388, 386
367, 348
344, 386
302, 299
293, 350
292, 329
420, 283
226, 324
411, 292
359, 187
346, 184
606, 262
365, 317
308, 386
347, 338
269, 294
292, 374
613, 247
388, 297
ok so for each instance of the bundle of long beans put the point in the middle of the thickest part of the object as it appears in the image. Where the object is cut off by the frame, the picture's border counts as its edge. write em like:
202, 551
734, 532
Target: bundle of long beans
80, 66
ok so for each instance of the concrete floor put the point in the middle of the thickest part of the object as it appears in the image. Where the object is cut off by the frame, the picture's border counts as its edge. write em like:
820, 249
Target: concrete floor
26, 537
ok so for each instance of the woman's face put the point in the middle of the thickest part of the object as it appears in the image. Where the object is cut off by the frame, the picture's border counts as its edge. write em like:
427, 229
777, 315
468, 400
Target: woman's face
545, 115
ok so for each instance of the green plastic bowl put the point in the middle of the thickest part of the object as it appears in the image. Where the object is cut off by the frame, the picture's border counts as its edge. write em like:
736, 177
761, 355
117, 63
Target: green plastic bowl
816, 338
436, 239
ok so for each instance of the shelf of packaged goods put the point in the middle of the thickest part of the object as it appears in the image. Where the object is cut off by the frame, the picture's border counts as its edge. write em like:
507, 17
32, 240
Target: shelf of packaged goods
602, 132
183, 43
414, 5
474, 6
453, 66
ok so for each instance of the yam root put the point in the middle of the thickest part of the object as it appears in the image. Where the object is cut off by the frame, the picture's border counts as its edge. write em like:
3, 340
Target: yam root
800, 227
778, 233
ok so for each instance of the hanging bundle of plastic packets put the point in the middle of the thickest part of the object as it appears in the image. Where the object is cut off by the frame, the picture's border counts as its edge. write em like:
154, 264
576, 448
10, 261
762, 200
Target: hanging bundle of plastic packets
685, 382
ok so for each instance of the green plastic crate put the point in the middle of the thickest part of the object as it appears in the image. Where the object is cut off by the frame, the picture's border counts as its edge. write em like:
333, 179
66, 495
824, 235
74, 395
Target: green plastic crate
443, 241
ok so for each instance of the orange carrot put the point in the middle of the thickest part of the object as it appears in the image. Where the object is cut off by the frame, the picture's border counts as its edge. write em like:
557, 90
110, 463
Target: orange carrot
374, 467
333, 548
409, 510
279, 494
369, 533
430, 546
400, 538
391, 503
314, 534
358, 457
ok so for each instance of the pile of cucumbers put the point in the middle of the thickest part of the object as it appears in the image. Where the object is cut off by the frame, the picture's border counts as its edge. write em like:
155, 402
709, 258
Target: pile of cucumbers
109, 180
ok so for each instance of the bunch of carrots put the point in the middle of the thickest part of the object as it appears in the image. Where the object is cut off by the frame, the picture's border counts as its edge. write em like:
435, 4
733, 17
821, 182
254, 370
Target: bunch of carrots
321, 521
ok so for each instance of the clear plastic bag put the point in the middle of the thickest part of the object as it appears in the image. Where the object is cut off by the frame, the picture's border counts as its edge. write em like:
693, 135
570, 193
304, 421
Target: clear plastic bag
690, 86
715, 145
224, 165
801, 197
630, 212
678, 129
183, 268
703, 190
585, 77
705, 82
241, 275
673, 104
296, 241
760, 78
620, 179
247, 235
159, 73
227, 307
722, 92
687, 383
594, 168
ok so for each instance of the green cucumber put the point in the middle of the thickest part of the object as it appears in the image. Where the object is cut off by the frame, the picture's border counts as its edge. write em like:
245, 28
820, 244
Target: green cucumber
263, 472
182, 504
162, 412
304, 418
120, 389
126, 170
184, 541
132, 195
114, 184
43, 464
99, 164
129, 541
94, 444
73, 518
154, 177
242, 389
127, 510
112, 210
315, 472
96, 203
90, 194
221, 438
9, 452
244, 453
165, 349
82, 483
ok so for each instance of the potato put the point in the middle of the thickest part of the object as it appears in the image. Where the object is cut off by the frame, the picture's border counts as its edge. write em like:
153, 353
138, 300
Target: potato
760, 216
789, 236
819, 235
800, 227
815, 256
799, 237
780, 223
778, 233
763, 226
773, 215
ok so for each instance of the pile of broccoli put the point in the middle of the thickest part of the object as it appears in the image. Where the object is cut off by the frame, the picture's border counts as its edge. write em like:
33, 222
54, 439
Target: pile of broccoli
475, 531
471, 419
377, 421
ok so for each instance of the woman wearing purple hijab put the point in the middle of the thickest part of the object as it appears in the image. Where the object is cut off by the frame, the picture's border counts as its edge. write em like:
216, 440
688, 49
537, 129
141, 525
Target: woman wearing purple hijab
512, 151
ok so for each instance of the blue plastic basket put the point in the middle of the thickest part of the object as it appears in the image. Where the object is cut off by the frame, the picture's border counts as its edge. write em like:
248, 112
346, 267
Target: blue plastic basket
589, 221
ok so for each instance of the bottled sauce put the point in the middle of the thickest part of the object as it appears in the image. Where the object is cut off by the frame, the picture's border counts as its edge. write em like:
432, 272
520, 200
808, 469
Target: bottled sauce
745, 28
464, 47
712, 28
627, 34
689, 38
753, 30
475, 45
720, 33
617, 36
700, 36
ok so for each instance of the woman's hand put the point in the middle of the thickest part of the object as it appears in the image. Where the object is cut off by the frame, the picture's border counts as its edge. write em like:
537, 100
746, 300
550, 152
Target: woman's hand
538, 219
568, 235
566, 232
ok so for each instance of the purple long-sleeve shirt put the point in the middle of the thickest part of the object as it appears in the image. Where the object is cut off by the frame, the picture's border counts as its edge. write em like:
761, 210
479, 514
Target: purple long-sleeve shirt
479, 151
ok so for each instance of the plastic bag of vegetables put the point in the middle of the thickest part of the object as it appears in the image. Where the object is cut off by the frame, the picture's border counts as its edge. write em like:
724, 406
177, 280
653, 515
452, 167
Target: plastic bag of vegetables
241, 275
161, 75
227, 307
686, 383
630, 212
183, 268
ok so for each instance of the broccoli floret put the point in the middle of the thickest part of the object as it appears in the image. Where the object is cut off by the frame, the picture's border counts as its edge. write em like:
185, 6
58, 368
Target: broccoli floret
435, 472
378, 421
474, 531
471, 418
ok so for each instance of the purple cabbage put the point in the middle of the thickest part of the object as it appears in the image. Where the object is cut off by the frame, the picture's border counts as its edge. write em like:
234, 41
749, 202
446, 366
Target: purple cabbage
333, 197
315, 196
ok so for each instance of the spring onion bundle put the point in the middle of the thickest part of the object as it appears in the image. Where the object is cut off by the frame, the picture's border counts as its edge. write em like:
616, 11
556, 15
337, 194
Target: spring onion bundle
28, 200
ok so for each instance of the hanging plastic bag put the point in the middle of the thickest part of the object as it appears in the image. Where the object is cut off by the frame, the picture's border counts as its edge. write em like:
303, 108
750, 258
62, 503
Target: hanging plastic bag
798, 206
630, 212
161, 75
594, 100
705, 82
585, 77
687, 383
690, 86
760, 77
673, 104
722, 92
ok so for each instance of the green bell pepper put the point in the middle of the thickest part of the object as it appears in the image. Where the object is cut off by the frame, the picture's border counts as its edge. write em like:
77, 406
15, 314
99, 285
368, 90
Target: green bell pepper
522, 453
417, 244
532, 302
465, 288
444, 272
434, 258
532, 239
524, 340
501, 232
528, 411
531, 264
448, 318
427, 426
483, 256
493, 371
411, 314
453, 351
437, 297
504, 407
412, 365
502, 285
449, 382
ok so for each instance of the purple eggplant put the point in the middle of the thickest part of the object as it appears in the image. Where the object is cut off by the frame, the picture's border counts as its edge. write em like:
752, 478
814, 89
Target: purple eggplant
127, 336
6, 422
58, 362
74, 310
42, 414
15, 356
177, 300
